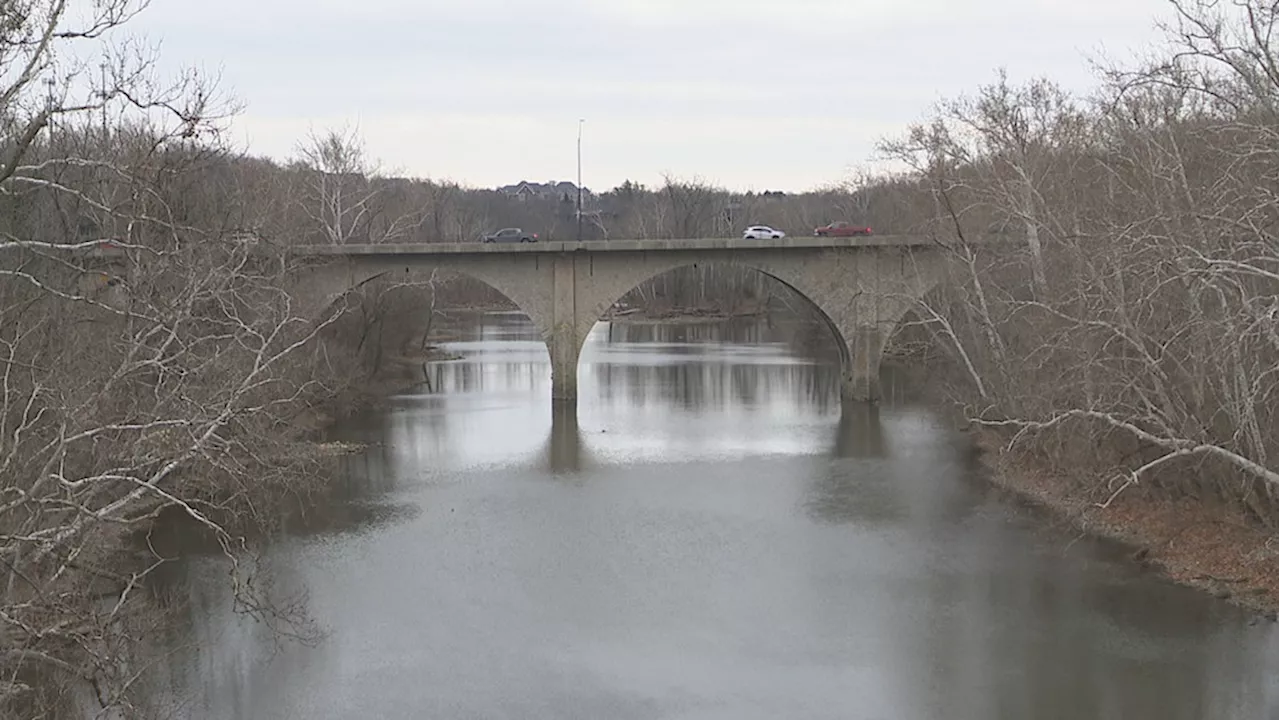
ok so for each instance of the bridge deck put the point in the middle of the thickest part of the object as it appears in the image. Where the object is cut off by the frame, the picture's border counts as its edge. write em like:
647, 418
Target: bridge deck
474, 248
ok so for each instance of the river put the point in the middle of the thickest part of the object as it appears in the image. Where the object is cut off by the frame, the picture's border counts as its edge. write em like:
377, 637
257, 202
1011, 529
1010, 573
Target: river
710, 535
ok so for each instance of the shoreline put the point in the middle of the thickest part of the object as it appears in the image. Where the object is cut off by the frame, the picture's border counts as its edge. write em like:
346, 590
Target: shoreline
314, 422
1214, 550
680, 315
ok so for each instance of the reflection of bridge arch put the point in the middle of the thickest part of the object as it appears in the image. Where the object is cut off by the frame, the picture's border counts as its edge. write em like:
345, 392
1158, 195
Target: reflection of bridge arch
837, 334
860, 290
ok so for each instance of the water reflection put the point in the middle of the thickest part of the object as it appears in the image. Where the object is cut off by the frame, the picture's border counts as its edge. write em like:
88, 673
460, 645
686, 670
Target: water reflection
689, 367
564, 442
711, 534
1039, 630
859, 433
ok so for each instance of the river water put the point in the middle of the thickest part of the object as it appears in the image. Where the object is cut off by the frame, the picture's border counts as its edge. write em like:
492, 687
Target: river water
710, 535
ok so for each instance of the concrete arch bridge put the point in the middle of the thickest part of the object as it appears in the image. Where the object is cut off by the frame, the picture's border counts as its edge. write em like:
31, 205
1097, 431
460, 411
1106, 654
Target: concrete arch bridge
862, 287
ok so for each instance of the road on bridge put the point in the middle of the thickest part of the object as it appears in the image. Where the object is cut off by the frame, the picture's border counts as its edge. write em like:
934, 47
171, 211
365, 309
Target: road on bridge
617, 245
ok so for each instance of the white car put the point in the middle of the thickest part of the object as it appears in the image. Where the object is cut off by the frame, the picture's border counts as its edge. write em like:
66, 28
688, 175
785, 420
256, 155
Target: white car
762, 232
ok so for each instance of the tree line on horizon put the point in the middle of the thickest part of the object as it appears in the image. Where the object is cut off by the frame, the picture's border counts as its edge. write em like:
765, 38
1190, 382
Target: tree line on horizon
332, 193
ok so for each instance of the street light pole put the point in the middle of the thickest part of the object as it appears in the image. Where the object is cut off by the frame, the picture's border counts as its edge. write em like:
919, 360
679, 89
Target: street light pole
102, 74
580, 121
49, 84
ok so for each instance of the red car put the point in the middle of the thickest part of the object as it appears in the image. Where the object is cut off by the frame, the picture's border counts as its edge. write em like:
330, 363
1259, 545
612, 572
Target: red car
841, 229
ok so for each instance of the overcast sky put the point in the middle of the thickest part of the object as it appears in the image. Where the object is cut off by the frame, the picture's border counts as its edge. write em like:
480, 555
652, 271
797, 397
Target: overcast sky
778, 94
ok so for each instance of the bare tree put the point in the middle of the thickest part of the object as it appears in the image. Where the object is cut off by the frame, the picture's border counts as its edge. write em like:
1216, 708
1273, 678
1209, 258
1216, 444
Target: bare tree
1013, 142
164, 389
345, 196
692, 207
442, 209
1156, 342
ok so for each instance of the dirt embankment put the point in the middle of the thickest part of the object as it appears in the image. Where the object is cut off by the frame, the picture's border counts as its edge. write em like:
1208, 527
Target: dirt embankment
1216, 549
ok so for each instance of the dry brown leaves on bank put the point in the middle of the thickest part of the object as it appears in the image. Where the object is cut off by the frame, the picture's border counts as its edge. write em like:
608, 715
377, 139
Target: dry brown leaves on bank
1193, 543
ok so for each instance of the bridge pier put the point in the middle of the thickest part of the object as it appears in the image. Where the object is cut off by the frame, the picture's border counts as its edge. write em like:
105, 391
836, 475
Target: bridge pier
861, 380
564, 344
564, 369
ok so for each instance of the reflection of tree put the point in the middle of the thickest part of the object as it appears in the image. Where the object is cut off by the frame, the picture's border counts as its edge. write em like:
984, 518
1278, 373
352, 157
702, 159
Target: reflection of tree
457, 377
370, 472
1015, 626
656, 373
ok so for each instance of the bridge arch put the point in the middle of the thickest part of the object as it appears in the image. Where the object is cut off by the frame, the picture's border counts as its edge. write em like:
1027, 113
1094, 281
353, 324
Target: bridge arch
327, 283
609, 294
858, 310
861, 292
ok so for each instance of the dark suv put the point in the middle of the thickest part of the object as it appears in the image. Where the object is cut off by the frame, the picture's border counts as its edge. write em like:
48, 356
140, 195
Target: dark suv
841, 229
510, 235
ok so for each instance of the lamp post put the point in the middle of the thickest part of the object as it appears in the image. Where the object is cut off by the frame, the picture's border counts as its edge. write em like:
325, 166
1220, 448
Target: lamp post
50, 108
580, 122
102, 74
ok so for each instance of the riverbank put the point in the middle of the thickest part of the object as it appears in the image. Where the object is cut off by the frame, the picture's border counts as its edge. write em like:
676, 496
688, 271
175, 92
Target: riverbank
403, 372
1210, 548
676, 316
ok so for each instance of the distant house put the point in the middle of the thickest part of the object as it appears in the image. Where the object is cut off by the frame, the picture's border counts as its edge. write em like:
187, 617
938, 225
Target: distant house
564, 191
522, 190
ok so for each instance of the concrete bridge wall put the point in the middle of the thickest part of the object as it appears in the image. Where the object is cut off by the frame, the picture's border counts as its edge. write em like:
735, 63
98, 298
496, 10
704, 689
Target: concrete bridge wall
862, 289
